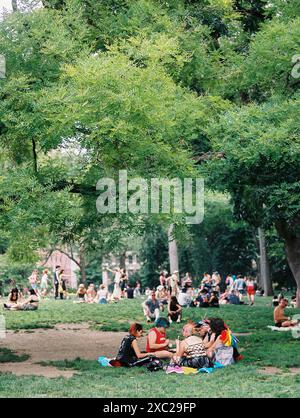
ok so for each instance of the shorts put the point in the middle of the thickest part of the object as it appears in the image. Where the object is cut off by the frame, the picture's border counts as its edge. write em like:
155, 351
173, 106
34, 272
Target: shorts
195, 362
251, 291
102, 301
241, 291
278, 324
30, 307
174, 316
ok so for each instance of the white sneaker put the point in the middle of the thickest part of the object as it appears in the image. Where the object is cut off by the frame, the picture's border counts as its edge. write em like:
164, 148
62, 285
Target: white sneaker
148, 319
170, 320
178, 321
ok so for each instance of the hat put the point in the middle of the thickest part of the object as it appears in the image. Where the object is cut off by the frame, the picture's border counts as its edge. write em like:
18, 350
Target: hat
162, 322
160, 287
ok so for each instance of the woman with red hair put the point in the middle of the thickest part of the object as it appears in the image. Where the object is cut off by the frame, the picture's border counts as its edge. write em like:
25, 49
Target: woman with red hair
129, 354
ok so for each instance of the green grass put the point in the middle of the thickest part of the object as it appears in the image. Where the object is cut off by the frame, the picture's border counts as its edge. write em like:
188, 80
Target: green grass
8, 356
262, 348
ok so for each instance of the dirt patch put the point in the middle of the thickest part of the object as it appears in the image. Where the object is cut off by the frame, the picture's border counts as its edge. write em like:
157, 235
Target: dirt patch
29, 369
270, 370
64, 342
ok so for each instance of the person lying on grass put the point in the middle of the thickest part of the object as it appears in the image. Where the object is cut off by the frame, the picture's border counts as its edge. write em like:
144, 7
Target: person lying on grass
190, 352
31, 304
157, 343
129, 354
279, 317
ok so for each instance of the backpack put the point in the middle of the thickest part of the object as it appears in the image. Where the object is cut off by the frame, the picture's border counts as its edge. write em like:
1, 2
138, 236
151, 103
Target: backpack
154, 365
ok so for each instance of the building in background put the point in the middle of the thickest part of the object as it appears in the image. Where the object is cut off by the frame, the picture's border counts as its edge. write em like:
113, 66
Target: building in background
132, 265
70, 268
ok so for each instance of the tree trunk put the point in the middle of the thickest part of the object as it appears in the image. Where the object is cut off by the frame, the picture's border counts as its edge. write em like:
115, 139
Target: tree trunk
82, 265
264, 264
292, 250
14, 5
173, 253
122, 260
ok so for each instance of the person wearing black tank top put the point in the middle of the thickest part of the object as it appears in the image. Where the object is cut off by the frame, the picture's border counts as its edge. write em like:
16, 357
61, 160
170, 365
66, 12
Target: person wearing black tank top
129, 354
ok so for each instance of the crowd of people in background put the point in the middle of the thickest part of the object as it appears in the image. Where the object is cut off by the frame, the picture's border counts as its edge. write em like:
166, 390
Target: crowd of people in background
171, 295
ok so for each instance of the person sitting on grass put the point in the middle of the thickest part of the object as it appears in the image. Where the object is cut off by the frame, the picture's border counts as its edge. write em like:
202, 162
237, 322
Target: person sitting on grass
275, 301
157, 343
129, 354
190, 352
151, 308
91, 293
184, 298
279, 317
102, 295
233, 298
162, 295
220, 347
80, 294
31, 304
203, 298
174, 310
13, 299
213, 301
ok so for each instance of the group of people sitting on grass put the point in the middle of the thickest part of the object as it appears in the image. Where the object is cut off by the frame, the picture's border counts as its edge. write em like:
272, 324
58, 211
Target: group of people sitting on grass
204, 344
17, 302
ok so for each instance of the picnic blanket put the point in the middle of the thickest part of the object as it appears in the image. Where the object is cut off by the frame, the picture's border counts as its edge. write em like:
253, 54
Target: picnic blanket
282, 329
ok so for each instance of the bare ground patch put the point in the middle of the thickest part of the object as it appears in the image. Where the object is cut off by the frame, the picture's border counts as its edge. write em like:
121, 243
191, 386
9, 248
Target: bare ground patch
271, 371
63, 342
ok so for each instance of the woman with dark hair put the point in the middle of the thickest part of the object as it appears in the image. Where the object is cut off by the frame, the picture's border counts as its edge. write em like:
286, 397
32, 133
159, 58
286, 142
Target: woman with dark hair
214, 300
222, 346
31, 304
129, 354
13, 298
174, 310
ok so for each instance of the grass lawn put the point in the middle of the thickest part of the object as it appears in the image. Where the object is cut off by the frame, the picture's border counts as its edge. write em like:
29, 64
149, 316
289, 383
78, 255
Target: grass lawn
262, 348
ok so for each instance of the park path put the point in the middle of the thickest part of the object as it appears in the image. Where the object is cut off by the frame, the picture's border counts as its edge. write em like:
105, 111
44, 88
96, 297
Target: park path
63, 342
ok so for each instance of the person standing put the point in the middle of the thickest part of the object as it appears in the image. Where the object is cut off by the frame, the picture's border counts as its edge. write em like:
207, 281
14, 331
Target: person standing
240, 286
33, 280
174, 283
44, 283
162, 279
56, 281
250, 290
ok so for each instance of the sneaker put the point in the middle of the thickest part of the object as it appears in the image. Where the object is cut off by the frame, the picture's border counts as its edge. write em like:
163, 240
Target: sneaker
171, 369
148, 319
178, 321
170, 320
178, 370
